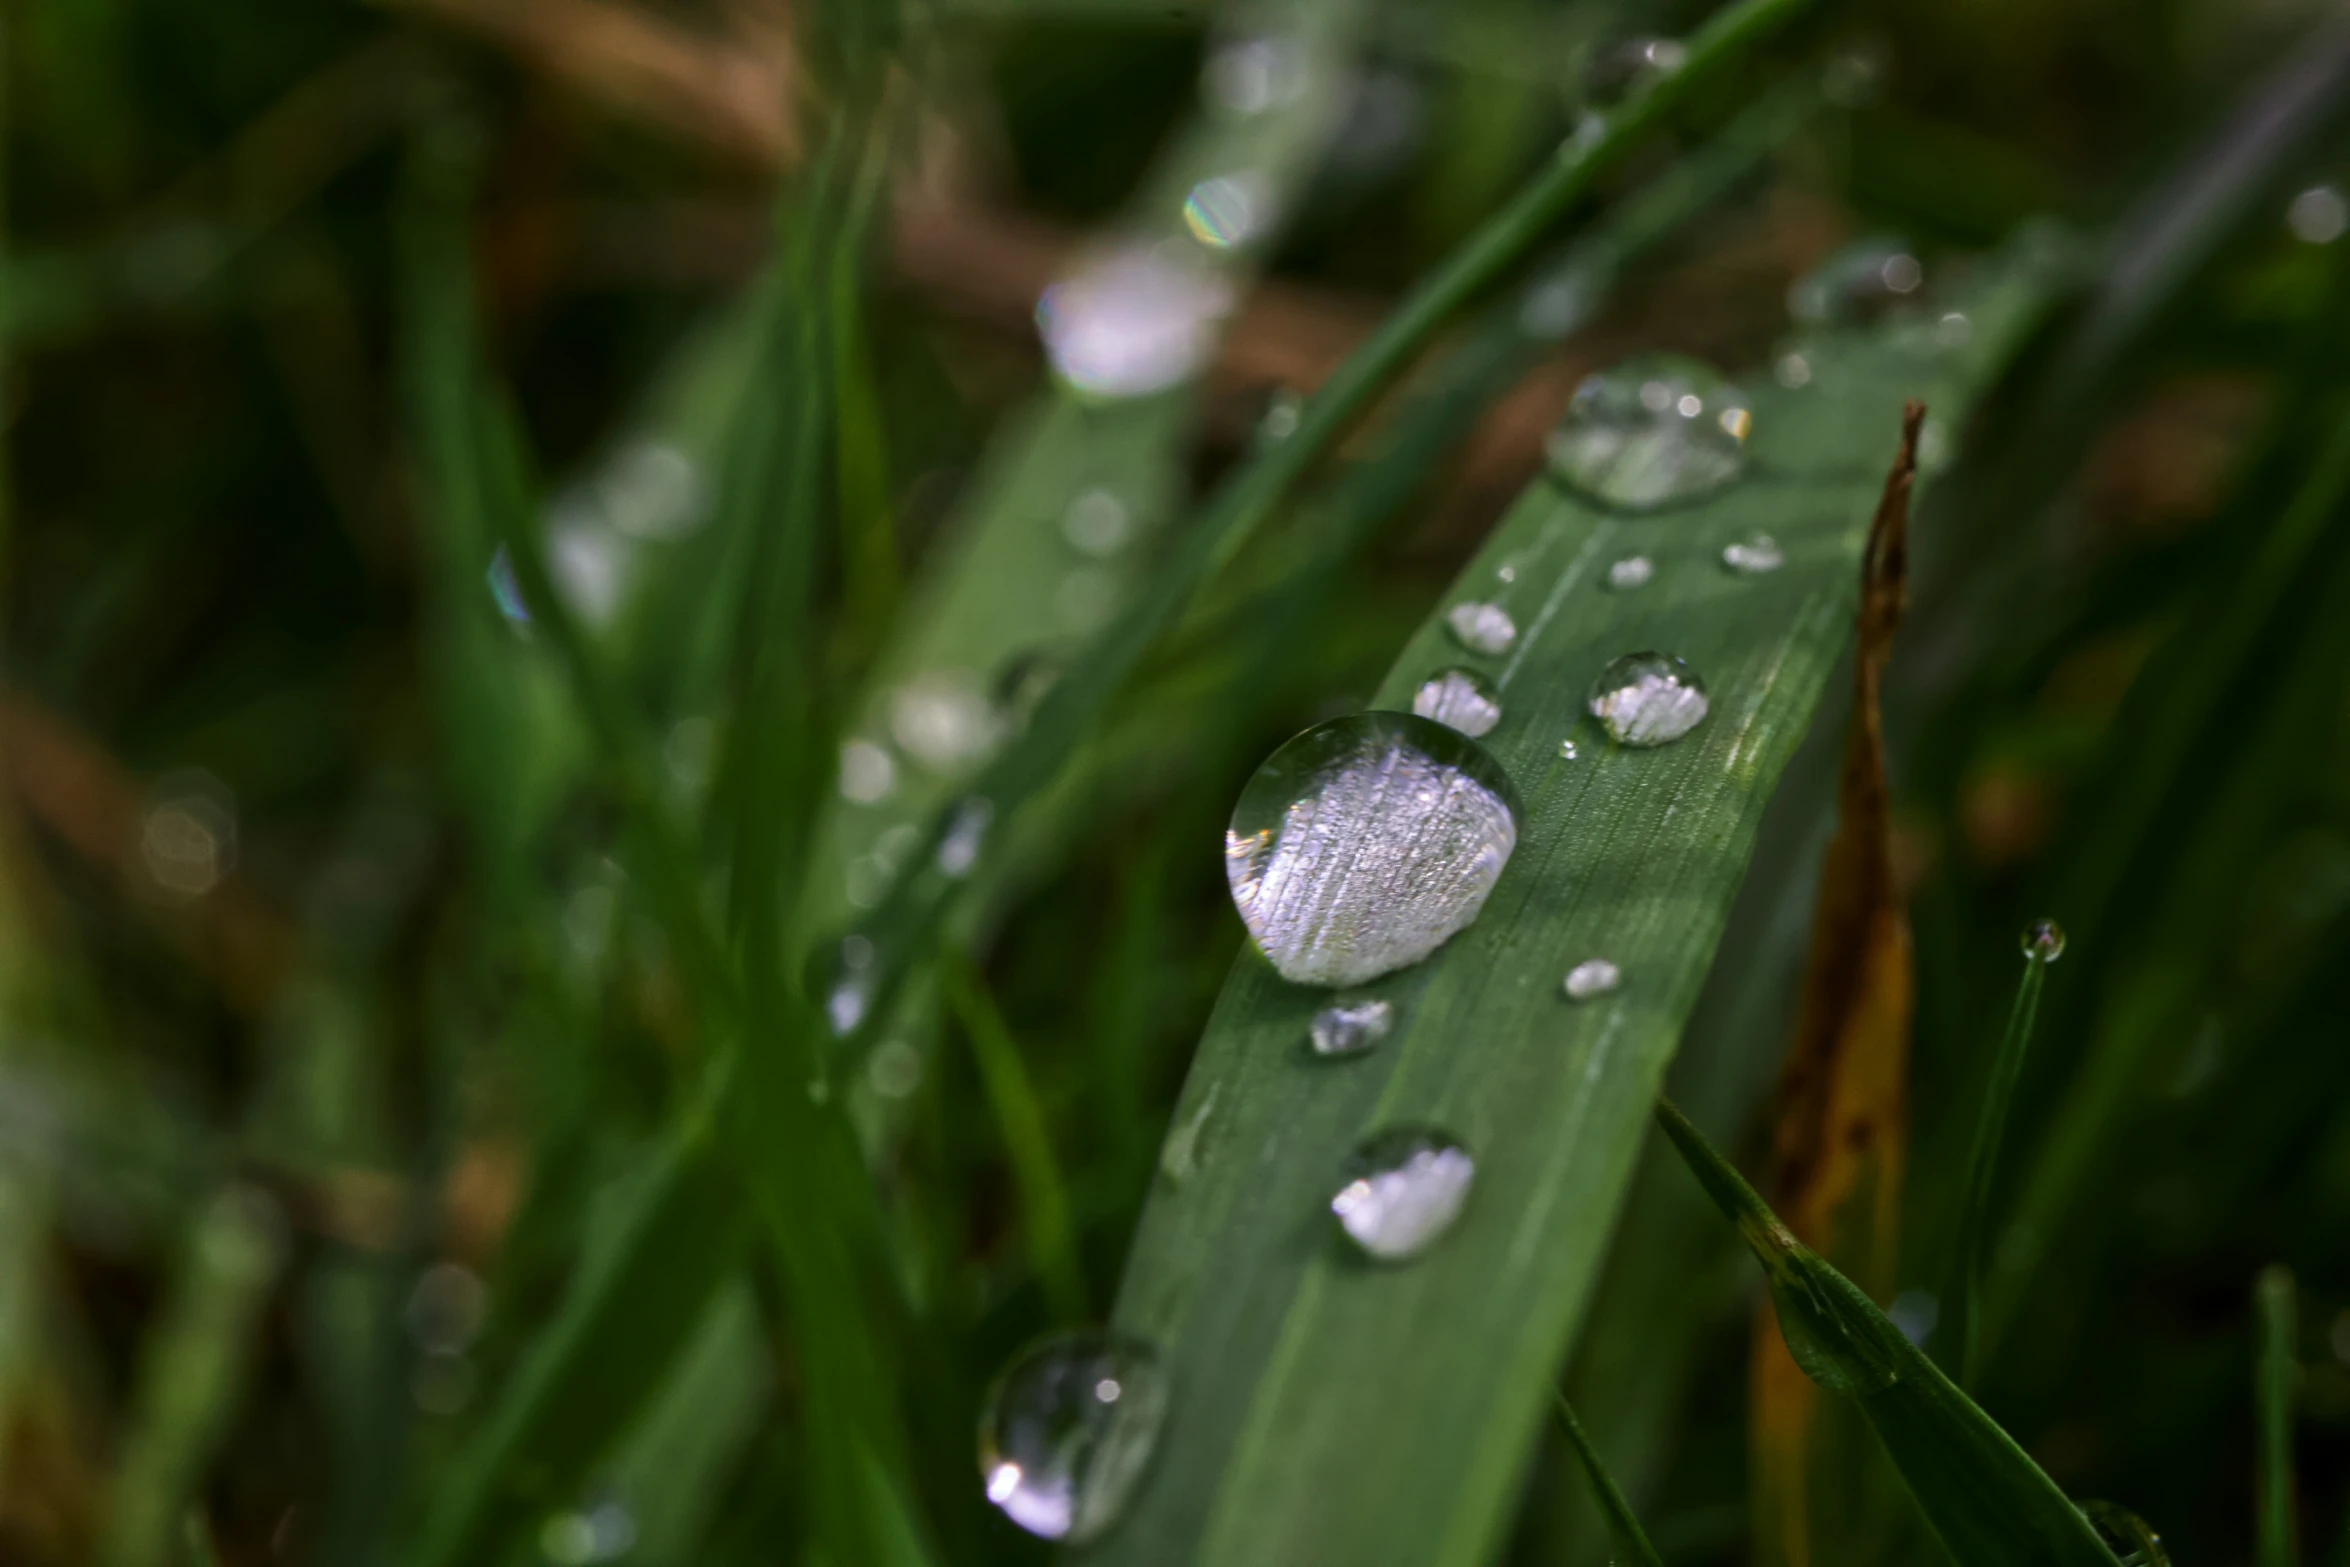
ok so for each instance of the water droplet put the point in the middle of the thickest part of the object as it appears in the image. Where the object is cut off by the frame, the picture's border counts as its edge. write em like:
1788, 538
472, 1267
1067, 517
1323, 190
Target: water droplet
1753, 556
590, 567
1567, 751
1227, 211
1934, 448
1459, 699
944, 721
2318, 216
653, 490
506, 590
1568, 297
1953, 330
188, 835
1251, 75
1366, 843
1648, 699
1633, 571
2131, 1539
1615, 73
965, 837
868, 773
1132, 321
1592, 977
1068, 1429
1097, 523
1482, 628
1350, 1027
894, 1070
1284, 412
1654, 431
1403, 1190
2044, 941
1793, 371
1915, 1312
850, 984
1855, 283
1179, 1157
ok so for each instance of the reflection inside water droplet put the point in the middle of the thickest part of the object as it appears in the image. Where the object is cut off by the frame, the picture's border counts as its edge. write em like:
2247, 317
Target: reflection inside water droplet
2044, 941
1068, 1429
1132, 321
1350, 1027
1366, 843
1648, 699
1459, 699
1633, 571
1753, 556
1655, 431
1592, 977
1482, 628
1403, 1189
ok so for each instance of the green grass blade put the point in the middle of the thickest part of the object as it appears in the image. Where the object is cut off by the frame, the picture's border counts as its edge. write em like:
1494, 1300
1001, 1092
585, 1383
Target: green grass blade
1067, 714
1631, 1541
1283, 1446
1965, 1294
1982, 1494
2277, 1532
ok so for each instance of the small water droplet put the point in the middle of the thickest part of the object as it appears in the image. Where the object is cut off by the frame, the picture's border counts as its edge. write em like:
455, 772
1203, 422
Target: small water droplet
1592, 977
2044, 941
944, 721
1567, 751
1934, 450
1633, 571
1403, 1190
868, 774
1655, 431
1251, 75
1856, 283
1793, 371
2318, 216
1648, 699
1568, 297
894, 1070
188, 834
1915, 1312
1459, 699
2129, 1537
1616, 72
1953, 330
1349, 1028
1179, 1156
1283, 414
849, 984
1482, 628
1097, 523
1132, 321
1754, 556
965, 837
1227, 211
653, 490
1366, 843
1068, 1429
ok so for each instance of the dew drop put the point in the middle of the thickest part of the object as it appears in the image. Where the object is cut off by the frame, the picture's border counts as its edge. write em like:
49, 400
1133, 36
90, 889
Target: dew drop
2129, 1537
1251, 75
1132, 321
966, 835
868, 774
1633, 571
1403, 1190
1067, 1430
1349, 1028
1856, 283
944, 721
1648, 699
1592, 977
1655, 431
1793, 371
2318, 216
1365, 843
1615, 73
1482, 628
1567, 751
1754, 556
1227, 211
1459, 699
849, 984
1954, 329
1097, 523
2043, 941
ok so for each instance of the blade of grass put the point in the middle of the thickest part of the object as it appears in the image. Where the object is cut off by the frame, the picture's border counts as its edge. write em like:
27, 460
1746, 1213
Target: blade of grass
919, 897
1324, 1411
1631, 1542
2276, 1531
1044, 1199
1982, 1494
1963, 1300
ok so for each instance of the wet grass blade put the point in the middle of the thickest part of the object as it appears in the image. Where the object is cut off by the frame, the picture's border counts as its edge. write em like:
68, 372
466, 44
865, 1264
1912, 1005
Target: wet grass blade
2277, 1532
1328, 1411
1982, 1494
1964, 1302
1631, 1541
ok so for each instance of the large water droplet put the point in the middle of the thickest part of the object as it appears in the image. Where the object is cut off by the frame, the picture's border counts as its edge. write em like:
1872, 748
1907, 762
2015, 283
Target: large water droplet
1403, 1190
1365, 843
1754, 556
1633, 571
1227, 211
1591, 978
1067, 1430
1646, 699
2044, 941
1350, 1027
1459, 699
1855, 283
1655, 431
1132, 321
1482, 628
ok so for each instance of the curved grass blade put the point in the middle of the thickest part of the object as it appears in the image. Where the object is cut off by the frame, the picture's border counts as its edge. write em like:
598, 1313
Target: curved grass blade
1974, 1219
2276, 1532
1323, 1411
1631, 1541
1982, 1494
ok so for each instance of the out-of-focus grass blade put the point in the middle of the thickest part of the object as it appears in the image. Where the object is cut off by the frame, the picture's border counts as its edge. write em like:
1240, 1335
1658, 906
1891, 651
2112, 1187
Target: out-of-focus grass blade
1985, 1498
667, 1469
192, 1373
1964, 1302
1623, 1527
1322, 1411
2277, 1531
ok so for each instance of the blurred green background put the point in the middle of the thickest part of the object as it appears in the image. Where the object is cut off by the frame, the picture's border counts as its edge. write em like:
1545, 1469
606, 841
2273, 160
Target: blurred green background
335, 1024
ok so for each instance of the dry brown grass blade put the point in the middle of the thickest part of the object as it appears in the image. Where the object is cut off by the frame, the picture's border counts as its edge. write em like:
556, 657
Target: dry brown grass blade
1838, 1145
